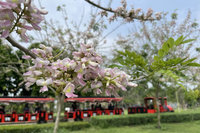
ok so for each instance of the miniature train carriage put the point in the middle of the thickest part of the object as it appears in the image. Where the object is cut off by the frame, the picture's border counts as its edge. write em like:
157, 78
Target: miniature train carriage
26, 115
92, 107
150, 106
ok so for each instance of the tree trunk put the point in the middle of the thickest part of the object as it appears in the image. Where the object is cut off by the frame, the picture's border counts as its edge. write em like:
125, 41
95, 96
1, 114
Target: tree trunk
177, 100
158, 107
59, 101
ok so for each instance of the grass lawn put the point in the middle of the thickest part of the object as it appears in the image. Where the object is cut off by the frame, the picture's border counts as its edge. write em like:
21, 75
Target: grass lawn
189, 127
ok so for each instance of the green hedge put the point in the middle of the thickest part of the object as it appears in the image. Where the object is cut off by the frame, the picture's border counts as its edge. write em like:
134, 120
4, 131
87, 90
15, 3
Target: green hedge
35, 128
141, 119
103, 122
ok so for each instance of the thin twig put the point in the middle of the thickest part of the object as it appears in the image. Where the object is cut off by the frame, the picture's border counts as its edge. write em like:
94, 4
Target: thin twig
54, 91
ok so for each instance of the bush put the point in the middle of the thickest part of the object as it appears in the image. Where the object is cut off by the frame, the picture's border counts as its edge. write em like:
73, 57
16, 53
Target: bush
141, 119
71, 126
123, 120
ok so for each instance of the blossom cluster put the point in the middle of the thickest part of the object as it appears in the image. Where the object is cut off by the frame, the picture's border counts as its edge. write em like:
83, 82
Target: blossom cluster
19, 16
82, 73
131, 15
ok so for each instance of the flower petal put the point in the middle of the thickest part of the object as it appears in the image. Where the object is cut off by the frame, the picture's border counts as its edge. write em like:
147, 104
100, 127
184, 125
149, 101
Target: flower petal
43, 89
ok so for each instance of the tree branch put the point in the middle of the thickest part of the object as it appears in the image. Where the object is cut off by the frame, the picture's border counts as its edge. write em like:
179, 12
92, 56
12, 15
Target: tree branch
129, 15
98, 6
25, 50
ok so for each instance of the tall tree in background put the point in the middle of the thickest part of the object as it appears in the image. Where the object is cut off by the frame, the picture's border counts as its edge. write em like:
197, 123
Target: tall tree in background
147, 38
160, 70
11, 71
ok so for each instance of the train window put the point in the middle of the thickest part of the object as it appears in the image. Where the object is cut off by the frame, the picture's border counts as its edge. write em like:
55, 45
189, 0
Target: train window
85, 115
7, 118
33, 118
94, 114
50, 117
20, 118
70, 115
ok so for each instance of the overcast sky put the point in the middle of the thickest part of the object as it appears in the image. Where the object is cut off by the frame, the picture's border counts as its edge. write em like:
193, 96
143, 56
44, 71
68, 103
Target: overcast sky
75, 6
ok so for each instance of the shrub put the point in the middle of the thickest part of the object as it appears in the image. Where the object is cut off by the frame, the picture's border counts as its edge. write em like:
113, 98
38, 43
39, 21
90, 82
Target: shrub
141, 119
42, 127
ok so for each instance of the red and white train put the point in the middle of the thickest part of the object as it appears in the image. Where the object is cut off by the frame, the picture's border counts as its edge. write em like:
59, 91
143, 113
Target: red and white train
75, 113
150, 106
26, 116
78, 114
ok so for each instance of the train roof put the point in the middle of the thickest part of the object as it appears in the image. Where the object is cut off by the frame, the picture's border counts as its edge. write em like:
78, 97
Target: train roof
25, 99
94, 99
147, 98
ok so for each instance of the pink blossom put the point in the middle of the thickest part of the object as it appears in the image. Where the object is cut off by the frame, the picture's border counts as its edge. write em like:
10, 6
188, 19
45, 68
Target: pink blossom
69, 90
108, 93
11, 9
26, 57
81, 82
39, 52
98, 91
29, 73
149, 13
96, 84
42, 82
59, 82
37, 73
42, 11
31, 79
5, 34
40, 62
43, 89
6, 24
28, 84
66, 75
93, 63
80, 75
8, 5
36, 26
23, 35
27, 27
132, 84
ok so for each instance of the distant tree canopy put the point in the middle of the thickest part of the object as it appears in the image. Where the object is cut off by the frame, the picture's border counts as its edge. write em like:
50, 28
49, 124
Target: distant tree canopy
10, 71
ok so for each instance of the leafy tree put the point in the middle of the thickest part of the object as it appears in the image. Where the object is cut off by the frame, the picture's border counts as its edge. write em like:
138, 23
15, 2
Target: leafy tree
192, 96
160, 70
147, 38
10, 71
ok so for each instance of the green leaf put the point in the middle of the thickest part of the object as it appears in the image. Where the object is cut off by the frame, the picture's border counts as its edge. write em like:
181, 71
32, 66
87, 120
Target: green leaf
193, 64
171, 41
115, 65
179, 40
186, 41
188, 61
